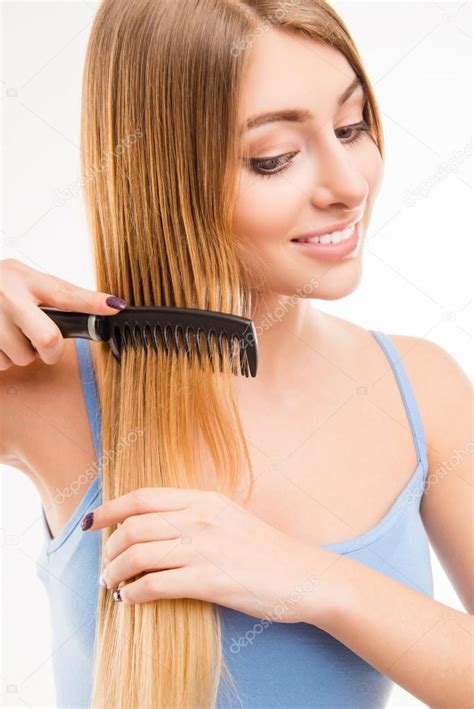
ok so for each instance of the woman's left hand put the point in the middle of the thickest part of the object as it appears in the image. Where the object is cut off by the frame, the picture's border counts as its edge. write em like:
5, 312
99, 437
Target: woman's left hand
199, 544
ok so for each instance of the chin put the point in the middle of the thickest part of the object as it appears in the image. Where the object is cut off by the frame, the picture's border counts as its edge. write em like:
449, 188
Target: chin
339, 282
336, 293
323, 281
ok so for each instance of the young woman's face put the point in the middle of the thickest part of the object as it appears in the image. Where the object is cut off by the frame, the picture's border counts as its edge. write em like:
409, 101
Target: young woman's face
325, 174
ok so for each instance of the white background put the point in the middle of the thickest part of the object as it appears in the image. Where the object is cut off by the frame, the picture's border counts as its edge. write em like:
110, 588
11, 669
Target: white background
417, 277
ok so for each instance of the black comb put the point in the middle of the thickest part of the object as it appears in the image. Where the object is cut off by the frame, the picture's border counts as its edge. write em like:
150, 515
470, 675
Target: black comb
170, 328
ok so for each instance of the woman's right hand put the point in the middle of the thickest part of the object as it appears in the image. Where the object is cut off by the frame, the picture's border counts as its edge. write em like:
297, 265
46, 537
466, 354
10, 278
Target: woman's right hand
25, 331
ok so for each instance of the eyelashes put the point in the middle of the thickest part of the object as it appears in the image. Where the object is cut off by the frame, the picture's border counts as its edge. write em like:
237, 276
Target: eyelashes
259, 166
256, 163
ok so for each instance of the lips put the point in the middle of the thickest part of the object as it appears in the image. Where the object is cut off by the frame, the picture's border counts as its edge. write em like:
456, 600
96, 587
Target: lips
325, 232
336, 251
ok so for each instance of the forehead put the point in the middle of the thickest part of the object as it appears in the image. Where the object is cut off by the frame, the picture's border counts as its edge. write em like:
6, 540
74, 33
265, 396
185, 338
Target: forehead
284, 69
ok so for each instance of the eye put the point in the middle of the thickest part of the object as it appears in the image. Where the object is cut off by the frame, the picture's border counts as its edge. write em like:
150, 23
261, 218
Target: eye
266, 167
356, 131
261, 166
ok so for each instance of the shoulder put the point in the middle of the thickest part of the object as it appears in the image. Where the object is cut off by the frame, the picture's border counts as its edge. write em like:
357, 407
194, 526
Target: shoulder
442, 389
444, 393
441, 386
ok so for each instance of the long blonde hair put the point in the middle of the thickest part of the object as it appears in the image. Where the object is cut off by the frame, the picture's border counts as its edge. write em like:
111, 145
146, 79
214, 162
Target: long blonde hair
159, 157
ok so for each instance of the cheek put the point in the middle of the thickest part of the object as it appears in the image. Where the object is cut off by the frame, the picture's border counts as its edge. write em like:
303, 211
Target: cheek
266, 209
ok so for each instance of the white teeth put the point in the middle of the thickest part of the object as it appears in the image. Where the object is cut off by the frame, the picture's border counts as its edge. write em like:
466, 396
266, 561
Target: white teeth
337, 236
334, 238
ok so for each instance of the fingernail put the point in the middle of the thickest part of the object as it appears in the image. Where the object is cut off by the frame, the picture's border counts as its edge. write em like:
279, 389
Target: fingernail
87, 521
116, 302
102, 581
117, 596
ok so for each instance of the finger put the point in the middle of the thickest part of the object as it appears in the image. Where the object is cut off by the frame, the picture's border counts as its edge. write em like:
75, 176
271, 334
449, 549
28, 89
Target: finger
150, 556
39, 331
139, 501
175, 583
5, 361
144, 528
14, 344
58, 293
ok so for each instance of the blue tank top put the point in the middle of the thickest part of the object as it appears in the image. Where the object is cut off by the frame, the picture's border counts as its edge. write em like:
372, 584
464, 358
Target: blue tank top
273, 664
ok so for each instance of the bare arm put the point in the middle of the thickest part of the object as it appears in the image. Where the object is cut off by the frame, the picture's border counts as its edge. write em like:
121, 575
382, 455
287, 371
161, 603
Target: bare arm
30, 340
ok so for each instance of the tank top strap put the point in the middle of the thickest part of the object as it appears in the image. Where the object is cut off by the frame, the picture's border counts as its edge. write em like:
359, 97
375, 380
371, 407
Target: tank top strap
89, 388
407, 394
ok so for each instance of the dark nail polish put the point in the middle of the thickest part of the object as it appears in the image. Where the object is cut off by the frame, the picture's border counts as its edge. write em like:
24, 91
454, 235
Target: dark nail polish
116, 302
87, 521
117, 596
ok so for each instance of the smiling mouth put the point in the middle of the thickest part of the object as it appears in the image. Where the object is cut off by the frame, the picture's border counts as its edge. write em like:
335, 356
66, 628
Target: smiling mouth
334, 237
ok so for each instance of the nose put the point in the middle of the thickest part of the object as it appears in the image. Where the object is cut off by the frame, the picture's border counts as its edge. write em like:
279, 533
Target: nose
339, 179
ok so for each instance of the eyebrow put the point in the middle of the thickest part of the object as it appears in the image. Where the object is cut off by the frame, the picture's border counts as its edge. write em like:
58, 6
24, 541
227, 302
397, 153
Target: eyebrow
300, 115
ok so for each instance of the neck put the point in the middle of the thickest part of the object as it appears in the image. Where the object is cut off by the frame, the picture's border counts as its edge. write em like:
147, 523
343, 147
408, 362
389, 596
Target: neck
284, 325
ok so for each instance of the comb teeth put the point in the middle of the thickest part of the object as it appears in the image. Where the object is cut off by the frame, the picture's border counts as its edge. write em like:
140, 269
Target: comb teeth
178, 339
168, 327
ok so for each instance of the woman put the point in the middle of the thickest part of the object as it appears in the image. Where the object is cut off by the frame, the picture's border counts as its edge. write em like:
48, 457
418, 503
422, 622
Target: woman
261, 542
